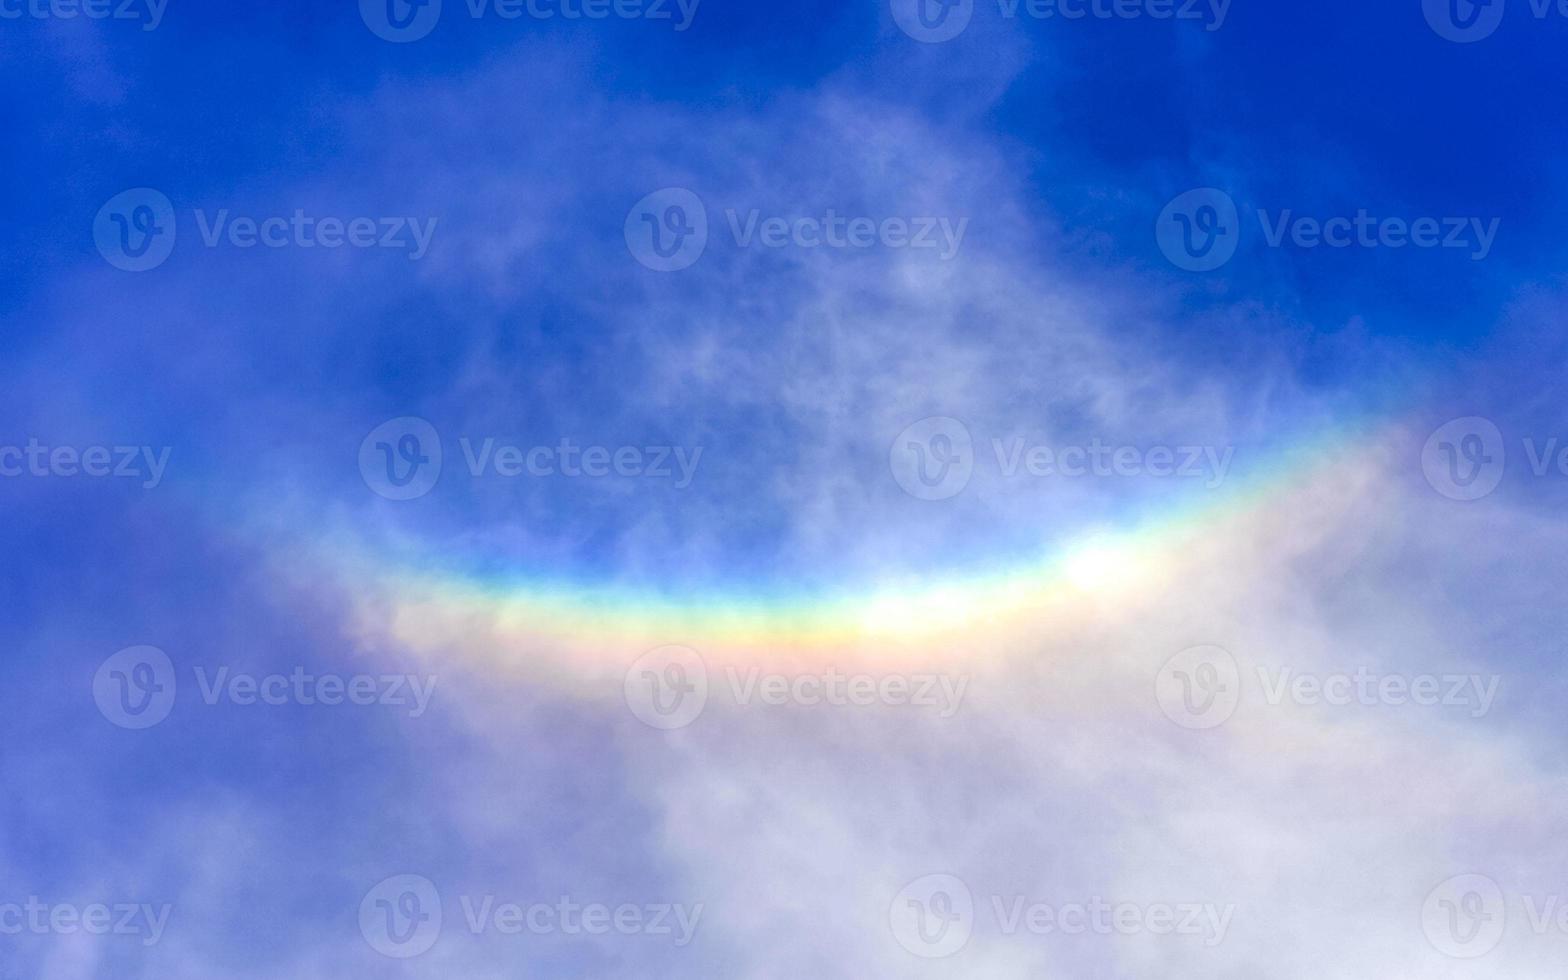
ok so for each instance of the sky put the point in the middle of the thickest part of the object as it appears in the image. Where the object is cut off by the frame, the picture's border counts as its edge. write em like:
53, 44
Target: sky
695, 488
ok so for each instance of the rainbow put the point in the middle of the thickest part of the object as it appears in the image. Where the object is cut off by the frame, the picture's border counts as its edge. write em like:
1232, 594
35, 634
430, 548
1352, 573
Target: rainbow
413, 595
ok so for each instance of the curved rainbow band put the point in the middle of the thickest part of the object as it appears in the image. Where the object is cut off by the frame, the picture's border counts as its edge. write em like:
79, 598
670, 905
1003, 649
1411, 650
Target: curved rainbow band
434, 604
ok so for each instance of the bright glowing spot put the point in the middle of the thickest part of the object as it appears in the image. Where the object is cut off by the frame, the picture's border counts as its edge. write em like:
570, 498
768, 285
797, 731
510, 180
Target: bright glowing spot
1102, 564
917, 613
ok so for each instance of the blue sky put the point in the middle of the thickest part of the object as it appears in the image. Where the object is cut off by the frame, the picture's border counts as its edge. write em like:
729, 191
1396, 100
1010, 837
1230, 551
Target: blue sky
1339, 405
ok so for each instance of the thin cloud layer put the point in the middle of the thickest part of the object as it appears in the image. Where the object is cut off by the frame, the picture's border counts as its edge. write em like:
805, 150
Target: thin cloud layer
916, 571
